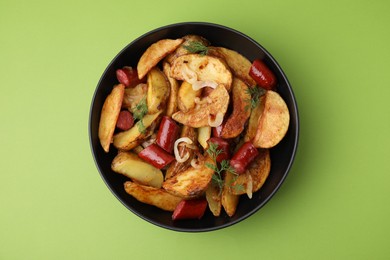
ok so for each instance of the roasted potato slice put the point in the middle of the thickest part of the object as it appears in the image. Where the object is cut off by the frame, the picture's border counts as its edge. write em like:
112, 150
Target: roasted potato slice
109, 115
131, 138
176, 167
158, 90
134, 95
254, 119
153, 196
274, 121
133, 167
196, 67
211, 106
213, 197
204, 134
238, 64
257, 173
186, 96
174, 88
154, 54
229, 200
192, 182
181, 50
235, 123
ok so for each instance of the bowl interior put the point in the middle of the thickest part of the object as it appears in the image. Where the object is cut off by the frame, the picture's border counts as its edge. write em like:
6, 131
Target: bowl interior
281, 156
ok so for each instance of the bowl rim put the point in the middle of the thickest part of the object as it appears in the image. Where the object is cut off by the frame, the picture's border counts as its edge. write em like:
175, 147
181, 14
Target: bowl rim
294, 147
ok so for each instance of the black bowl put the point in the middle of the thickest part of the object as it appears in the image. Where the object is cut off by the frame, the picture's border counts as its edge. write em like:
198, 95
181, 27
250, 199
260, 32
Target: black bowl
282, 155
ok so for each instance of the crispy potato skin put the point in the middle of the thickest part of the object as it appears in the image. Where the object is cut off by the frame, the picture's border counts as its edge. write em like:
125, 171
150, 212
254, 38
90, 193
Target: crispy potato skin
152, 196
235, 123
213, 197
238, 64
202, 68
274, 121
154, 54
109, 115
199, 116
258, 170
190, 183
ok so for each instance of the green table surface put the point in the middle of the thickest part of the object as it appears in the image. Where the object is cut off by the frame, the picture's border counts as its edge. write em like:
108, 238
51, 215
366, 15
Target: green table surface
335, 203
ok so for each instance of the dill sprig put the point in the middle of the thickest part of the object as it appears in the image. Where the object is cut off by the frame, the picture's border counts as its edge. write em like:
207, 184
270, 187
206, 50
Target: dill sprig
218, 169
139, 111
196, 47
255, 93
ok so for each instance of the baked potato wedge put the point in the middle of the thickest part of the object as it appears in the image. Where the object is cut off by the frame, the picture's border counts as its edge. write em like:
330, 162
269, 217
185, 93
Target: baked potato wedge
195, 67
238, 64
109, 115
274, 121
204, 134
214, 105
152, 196
229, 200
133, 167
186, 96
131, 138
192, 182
213, 197
235, 123
254, 119
174, 88
155, 53
134, 95
181, 50
158, 90
256, 173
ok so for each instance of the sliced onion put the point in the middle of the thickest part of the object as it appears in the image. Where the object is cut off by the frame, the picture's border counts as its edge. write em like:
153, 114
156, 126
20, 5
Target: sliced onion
150, 141
217, 121
249, 186
176, 150
196, 85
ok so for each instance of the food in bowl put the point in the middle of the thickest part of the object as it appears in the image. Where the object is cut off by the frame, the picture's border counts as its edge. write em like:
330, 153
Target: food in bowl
192, 125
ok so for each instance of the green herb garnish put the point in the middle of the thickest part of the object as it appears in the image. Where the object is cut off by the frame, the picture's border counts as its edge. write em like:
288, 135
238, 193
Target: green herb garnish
255, 93
196, 47
218, 169
139, 111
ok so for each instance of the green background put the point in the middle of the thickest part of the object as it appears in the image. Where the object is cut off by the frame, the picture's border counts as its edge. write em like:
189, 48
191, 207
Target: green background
334, 203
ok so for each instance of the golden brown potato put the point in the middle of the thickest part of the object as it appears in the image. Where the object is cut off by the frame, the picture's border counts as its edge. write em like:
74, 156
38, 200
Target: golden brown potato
238, 64
181, 50
204, 134
214, 105
131, 138
176, 167
192, 182
155, 53
254, 119
158, 90
213, 197
274, 121
133, 167
257, 172
174, 88
235, 123
152, 196
196, 67
134, 95
229, 200
186, 97
109, 115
